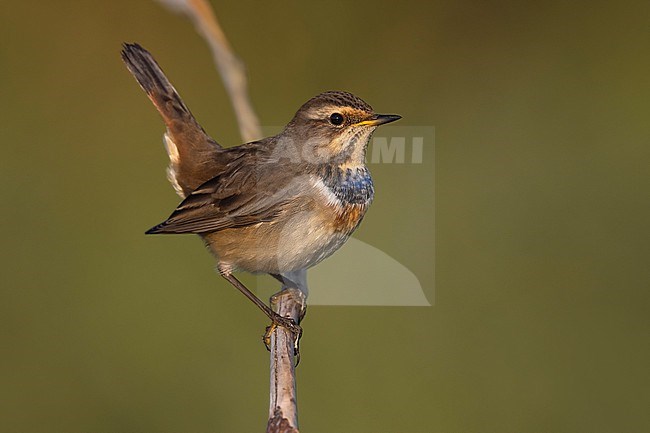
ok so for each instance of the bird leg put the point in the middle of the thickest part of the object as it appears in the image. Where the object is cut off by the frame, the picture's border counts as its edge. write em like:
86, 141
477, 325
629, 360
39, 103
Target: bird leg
276, 319
289, 284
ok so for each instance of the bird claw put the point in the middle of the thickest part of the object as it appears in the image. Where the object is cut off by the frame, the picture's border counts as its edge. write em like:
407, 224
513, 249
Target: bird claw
288, 324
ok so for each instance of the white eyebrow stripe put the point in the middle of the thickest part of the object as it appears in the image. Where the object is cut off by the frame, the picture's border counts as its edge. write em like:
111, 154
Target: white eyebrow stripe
326, 111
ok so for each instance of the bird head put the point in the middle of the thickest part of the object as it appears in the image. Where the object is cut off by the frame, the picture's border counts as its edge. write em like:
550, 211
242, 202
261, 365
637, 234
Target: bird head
334, 127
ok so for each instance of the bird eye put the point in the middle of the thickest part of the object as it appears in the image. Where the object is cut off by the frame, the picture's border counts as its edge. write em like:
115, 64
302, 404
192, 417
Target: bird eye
336, 119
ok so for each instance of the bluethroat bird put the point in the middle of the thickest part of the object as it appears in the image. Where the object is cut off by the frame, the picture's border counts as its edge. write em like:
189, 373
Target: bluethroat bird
279, 205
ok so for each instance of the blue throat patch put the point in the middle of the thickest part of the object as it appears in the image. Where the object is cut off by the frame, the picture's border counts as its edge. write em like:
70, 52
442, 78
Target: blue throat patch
351, 186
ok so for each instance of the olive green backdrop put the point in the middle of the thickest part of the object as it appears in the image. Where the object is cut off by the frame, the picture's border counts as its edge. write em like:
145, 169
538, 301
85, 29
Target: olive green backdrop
540, 294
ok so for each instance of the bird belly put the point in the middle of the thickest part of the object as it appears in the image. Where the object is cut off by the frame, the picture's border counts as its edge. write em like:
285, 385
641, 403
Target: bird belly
289, 243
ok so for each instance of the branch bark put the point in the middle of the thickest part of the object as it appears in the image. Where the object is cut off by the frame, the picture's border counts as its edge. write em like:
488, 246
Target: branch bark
283, 408
289, 302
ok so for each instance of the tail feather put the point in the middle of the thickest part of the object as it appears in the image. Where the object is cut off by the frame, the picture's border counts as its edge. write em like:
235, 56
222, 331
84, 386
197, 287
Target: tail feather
153, 81
192, 152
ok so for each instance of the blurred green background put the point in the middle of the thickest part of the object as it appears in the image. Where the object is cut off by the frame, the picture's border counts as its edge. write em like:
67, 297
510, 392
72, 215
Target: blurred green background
540, 320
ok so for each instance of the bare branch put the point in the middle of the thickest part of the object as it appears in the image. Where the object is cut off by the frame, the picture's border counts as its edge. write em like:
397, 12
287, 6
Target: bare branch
283, 409
231, 69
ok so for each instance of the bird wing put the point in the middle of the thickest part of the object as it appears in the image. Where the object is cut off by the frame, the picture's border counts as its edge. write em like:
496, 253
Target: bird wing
243, 195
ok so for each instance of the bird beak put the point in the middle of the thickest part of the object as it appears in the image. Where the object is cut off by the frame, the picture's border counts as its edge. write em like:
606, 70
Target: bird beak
379, 119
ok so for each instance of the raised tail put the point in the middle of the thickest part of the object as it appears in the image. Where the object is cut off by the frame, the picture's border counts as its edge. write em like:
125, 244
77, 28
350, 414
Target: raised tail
192, 152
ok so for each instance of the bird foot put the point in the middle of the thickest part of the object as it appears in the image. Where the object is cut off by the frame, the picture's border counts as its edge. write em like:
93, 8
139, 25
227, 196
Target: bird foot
288, 324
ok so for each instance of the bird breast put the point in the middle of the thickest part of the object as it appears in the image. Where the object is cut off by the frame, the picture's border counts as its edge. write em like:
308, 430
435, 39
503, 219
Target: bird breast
317, 224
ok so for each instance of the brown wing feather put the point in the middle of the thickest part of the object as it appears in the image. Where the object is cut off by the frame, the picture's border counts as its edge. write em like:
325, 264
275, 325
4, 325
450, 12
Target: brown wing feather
245, 193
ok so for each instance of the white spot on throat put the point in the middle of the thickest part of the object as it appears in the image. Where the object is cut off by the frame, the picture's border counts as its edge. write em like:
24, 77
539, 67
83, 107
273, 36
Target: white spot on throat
319, 185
